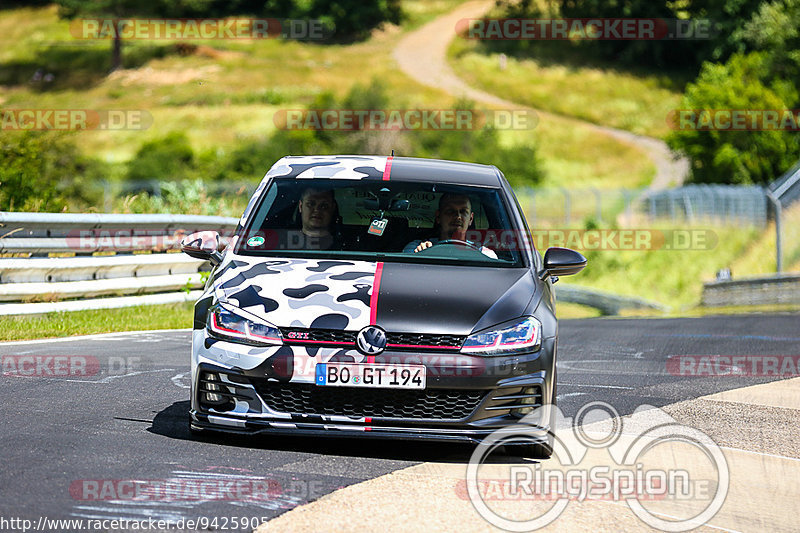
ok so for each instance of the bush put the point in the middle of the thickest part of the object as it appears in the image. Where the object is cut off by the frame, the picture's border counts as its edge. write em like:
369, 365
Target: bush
519, 163
191, 197
168, 158
43, 172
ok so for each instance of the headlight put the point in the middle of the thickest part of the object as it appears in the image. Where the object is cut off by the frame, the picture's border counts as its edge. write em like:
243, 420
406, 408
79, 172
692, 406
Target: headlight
225, 324
524, 336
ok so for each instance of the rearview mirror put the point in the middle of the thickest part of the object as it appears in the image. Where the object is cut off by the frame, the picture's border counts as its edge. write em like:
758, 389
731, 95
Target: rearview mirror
203, 245
562, 262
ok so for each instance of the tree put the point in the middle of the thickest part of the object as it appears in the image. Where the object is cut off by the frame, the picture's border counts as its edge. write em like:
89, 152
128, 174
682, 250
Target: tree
742, 157
775, 30
115, 10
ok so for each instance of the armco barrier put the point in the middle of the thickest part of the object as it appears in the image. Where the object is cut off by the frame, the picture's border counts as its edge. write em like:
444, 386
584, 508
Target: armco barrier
608, 304
35, 284
769, 290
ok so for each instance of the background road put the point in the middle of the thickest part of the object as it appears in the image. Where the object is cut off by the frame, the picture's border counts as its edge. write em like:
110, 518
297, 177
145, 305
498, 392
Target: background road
431, 42
129, 420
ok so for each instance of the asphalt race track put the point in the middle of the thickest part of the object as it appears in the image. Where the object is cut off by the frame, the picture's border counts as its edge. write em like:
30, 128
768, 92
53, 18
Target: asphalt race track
71, 445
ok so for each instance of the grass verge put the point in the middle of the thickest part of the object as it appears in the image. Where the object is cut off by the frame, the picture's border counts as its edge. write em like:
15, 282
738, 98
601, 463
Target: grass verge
566, 310
143, 317
637, 103
673, 277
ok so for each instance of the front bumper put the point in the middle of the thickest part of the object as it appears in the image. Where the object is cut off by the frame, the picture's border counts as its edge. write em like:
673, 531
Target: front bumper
465, 401
251, 426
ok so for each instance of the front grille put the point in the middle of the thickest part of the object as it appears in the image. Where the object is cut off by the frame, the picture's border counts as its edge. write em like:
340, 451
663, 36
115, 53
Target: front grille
300, 398
423, 339
393, 340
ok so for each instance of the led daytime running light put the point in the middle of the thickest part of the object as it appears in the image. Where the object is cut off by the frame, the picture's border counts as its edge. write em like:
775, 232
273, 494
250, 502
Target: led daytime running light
249, 331
506, 340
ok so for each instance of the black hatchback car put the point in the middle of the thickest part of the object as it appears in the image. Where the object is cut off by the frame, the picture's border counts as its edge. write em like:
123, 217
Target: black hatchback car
377, 297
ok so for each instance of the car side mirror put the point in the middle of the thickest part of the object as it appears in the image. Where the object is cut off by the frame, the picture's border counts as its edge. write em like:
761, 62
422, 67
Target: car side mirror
203, 245
562, 262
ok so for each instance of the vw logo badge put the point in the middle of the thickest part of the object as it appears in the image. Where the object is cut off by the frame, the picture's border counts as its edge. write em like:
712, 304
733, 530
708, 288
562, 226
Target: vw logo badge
371, 340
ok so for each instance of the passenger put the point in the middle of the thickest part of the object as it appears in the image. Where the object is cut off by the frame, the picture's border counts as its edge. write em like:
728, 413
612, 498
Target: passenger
318, 213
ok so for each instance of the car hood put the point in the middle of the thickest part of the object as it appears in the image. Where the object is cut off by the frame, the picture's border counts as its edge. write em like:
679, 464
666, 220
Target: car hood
337, 294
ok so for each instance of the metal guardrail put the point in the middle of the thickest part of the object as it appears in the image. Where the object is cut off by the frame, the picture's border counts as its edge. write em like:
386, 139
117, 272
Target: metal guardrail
32, 285
44, 284
768, 290
608, 304
60, 221
787, 188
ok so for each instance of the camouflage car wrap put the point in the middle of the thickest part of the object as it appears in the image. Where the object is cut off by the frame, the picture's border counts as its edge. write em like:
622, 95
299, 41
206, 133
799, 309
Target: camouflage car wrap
310, 294
426, 310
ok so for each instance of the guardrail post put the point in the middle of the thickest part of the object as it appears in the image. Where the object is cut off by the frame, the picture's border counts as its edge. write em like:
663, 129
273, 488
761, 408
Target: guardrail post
628, 213
778, 244
599, 204
107, 207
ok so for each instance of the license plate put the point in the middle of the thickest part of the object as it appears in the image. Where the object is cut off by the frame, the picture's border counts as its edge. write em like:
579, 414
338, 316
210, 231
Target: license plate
370, 375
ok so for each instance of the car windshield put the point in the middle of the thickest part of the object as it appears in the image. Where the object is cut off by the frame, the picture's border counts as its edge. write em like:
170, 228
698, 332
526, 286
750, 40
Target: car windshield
387, 221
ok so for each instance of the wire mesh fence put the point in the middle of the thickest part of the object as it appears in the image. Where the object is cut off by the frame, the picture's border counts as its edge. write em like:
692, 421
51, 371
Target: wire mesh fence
717, 204
545, 208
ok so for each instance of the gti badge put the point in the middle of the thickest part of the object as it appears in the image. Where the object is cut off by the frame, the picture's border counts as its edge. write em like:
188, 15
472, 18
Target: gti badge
371, 340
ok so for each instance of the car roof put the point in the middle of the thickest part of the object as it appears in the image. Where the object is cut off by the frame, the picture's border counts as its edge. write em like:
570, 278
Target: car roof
385, 168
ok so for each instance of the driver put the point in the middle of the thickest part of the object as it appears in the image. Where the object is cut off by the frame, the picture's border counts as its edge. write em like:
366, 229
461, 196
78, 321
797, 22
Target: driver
452, 218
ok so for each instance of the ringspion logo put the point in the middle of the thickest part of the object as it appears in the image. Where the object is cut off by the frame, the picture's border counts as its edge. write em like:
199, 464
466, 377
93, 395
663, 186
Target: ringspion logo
647, 461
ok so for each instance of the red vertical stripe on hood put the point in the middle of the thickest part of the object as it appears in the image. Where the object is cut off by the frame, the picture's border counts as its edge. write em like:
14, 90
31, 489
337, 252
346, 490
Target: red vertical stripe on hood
388, 169
373, 300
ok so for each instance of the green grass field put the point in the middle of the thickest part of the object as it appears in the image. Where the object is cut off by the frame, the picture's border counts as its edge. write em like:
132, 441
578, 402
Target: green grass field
226, 91
604, 96
172, 316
